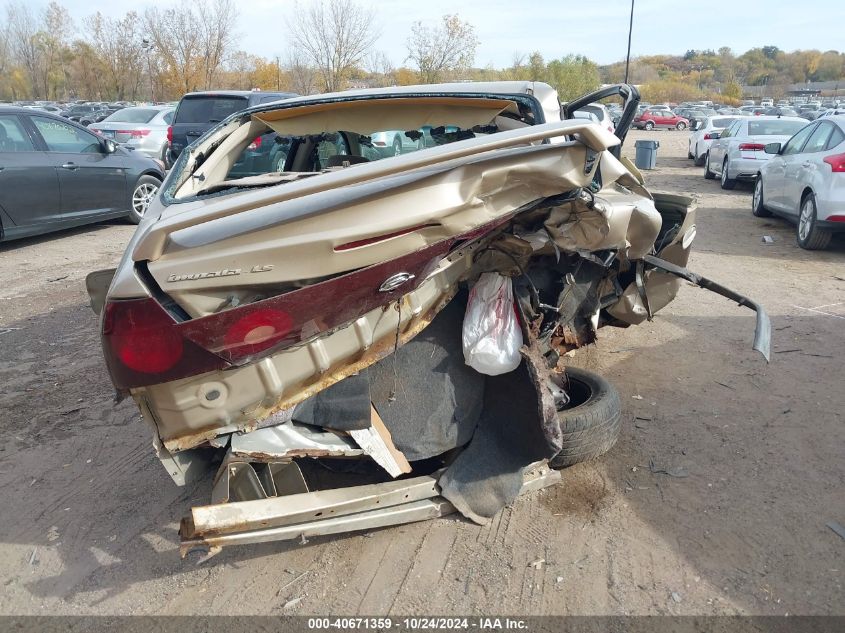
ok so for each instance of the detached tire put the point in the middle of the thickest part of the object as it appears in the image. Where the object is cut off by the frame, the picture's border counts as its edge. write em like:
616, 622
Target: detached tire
590, 425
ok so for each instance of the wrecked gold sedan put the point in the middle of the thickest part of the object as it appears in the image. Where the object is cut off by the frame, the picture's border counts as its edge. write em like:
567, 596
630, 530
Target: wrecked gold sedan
359, 338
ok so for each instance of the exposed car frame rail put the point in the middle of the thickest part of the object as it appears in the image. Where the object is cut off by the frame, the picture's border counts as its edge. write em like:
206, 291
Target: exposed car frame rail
763, 329
328, 512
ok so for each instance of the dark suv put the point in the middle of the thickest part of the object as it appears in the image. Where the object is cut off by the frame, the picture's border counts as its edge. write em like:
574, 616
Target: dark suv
198, 112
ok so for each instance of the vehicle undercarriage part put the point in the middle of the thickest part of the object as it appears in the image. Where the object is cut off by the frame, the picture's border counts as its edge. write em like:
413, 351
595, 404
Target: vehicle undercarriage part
328, 511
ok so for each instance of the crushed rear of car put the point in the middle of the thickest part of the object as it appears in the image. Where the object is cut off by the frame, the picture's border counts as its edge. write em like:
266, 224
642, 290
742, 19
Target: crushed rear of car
300, 321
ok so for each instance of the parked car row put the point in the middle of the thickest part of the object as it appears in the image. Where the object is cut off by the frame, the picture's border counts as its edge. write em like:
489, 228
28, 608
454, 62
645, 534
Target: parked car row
56, 174
798, 168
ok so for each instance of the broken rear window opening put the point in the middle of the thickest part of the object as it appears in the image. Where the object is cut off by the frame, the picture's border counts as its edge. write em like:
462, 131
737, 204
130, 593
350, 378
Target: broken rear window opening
321, 137
383, 337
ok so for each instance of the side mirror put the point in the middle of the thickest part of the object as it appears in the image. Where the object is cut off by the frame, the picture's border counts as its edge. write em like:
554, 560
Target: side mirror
109, 146
772, 148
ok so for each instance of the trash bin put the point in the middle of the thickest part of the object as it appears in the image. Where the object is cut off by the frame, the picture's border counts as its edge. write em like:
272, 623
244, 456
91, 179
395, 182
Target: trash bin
646, 157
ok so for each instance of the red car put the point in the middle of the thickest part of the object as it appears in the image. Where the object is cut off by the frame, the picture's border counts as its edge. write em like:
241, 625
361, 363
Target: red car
651, 119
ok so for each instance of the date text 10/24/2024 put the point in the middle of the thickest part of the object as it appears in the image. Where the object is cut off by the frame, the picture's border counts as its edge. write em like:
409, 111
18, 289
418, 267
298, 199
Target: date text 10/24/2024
417, 624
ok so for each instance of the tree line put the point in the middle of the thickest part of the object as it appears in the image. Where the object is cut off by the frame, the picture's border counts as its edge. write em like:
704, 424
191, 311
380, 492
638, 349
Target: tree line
721, 74
161, 53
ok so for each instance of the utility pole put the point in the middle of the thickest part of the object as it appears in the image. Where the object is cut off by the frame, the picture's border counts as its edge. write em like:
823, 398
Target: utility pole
630, 29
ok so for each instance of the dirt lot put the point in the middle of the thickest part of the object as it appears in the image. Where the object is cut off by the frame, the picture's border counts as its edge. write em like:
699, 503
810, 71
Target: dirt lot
89, 517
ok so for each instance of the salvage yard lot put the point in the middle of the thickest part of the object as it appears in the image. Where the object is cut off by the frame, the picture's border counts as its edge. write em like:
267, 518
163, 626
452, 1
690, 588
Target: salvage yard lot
753, 454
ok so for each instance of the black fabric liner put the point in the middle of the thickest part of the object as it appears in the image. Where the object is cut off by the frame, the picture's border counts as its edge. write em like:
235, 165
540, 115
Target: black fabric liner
345, 406
432, 402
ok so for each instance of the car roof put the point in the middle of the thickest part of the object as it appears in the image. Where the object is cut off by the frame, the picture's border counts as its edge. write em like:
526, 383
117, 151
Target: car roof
774, 117
543, 92
237, 93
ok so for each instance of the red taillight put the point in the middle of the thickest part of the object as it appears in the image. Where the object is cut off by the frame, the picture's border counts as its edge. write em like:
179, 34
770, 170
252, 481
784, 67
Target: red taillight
144, 346
257, 331
134, 133
710, 137
142, 336
836, 162
256, 143
169, 133
836, 218
751, 147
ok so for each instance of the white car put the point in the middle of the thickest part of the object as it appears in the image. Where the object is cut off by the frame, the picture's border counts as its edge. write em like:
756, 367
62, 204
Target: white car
832, 112
805, 182
599, 114
738, 153
701, 138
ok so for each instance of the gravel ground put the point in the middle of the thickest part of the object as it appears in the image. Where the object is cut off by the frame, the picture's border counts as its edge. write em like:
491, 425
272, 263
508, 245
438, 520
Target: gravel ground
89, 517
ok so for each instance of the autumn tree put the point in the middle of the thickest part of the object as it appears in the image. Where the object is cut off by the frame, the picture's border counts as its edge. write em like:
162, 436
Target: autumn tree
192, 41
119, 46
23, 44
303, 76
442, 51
334, 36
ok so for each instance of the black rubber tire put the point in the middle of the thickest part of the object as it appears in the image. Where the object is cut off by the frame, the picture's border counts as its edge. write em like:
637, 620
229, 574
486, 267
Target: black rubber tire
649, 126
134, 216
724, 181
590, 428
758, 205
708, 175
697, 160
681, 126
817, 239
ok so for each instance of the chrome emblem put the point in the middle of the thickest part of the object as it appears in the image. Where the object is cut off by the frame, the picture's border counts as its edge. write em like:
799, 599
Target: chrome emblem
394, 281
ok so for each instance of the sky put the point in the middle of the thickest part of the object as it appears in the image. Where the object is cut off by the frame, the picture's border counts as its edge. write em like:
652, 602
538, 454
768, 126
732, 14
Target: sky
597, 29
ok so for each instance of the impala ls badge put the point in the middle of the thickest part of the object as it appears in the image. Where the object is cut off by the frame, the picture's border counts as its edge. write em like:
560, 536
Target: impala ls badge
394, 281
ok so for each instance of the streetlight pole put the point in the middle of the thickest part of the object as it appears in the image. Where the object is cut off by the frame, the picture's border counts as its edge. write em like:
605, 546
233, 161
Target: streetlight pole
147, 46
630, 29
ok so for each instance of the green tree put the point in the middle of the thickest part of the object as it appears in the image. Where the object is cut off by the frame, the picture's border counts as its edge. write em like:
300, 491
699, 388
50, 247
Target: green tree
732, 91
572, 76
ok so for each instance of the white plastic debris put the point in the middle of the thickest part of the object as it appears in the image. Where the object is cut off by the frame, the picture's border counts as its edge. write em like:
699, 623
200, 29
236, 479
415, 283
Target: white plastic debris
491, 333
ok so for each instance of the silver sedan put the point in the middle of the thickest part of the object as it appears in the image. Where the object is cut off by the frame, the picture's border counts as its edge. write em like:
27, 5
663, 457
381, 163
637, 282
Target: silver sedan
142, 128
805, 182
738, 152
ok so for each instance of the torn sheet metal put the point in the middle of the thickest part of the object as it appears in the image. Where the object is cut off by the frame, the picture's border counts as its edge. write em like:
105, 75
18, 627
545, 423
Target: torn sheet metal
611, 219
239, 480
292, 440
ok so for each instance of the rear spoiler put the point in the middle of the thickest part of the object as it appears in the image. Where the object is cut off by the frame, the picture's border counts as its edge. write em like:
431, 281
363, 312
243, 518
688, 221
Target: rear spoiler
151, 245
